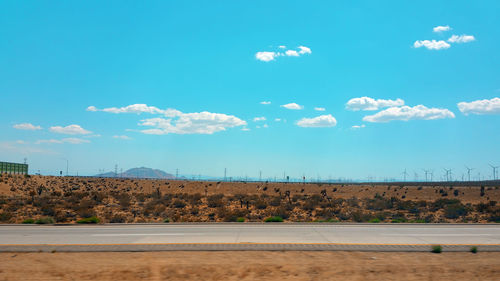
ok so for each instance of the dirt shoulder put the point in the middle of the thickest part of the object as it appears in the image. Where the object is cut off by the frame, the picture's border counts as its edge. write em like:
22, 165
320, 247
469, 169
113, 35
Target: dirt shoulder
249, 266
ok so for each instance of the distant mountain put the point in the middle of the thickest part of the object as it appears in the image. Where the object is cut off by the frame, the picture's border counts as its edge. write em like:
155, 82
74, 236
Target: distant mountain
141, 172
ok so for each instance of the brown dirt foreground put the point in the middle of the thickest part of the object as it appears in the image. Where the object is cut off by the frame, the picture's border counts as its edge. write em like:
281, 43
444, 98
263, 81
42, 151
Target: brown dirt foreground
249, 266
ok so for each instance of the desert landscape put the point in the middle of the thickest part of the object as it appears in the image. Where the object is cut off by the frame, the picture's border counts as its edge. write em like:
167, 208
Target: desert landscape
49, 199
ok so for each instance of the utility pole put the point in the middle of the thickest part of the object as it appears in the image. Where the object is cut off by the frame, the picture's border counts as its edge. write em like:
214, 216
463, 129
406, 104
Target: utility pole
225, 174
177, 173
116, 170
260, 175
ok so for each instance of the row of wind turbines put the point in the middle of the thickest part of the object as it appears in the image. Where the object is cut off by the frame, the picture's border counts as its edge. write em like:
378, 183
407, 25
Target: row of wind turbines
448, 174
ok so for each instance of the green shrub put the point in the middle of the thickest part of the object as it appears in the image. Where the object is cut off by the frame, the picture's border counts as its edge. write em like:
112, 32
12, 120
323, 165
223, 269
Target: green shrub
473, 250
167, 220
437, 249
89, 220
46, 220
240, 219
274, 219
374, 220
28, 221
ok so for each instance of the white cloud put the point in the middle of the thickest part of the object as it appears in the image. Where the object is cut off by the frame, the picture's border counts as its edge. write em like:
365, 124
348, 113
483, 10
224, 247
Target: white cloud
23, 148
122, 137
265, 102
133, 108
277, 119
266, 56
355, 127
245, 129
491, 106
26, 126
265, 126
65, 140
178, 122
292, 53
70, 130
367, 103
270, 55
192, 123
292, 106
406, 113
319, 109
441, 28
461, 38
431, 44
304, 50
256, 119
318, 122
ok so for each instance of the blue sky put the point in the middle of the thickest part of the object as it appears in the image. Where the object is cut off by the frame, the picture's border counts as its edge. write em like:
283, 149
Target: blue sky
201, 70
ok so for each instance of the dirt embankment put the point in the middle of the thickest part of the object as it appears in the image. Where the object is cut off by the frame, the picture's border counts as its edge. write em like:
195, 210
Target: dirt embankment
249, 266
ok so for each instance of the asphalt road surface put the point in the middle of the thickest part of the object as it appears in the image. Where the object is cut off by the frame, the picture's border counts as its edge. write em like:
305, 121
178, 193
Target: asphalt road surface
248, 236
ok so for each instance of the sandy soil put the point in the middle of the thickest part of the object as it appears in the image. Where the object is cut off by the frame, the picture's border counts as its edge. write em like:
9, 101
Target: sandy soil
249, 266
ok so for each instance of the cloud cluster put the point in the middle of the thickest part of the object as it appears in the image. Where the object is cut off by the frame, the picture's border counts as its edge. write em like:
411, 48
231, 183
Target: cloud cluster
265, 102
26, 126
319, 109
441, 44
65, 140
321, 121
256, 119
177, 122
122, 137
431, 44
267, 56
367, 103
464, 38
491, 106
292, 106
406, 113
70, 130
355, 127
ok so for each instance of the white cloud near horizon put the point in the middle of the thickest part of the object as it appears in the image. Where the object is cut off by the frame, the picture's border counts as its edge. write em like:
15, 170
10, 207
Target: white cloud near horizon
321, 121
431, 44
367, 103
319, 109
265, 102
441, 28
26, 126
133, 108
65, 140
70, 130
292, 106
464, 38
406, 113
256, 119
480, 107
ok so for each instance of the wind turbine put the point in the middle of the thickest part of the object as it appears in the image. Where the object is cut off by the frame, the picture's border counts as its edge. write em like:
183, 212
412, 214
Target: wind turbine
404, 175
448, 174
468, 171
495, 171
426, 173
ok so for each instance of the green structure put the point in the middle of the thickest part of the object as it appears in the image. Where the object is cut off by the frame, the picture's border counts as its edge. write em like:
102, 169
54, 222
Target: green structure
13, 168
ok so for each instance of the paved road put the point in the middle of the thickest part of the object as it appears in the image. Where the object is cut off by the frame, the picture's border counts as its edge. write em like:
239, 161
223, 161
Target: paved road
248, 234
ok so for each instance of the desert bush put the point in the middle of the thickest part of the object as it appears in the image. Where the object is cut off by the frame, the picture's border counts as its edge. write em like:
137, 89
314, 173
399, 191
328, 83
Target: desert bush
473, 249
359, 216
436, 249
90, 220
4, 216
215, 201
240, 219
275, 201
455, 211
379, 203
274, 219
28, 221
117, 218
167, 220
195, 199
179, 204
46, 220
261, 204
